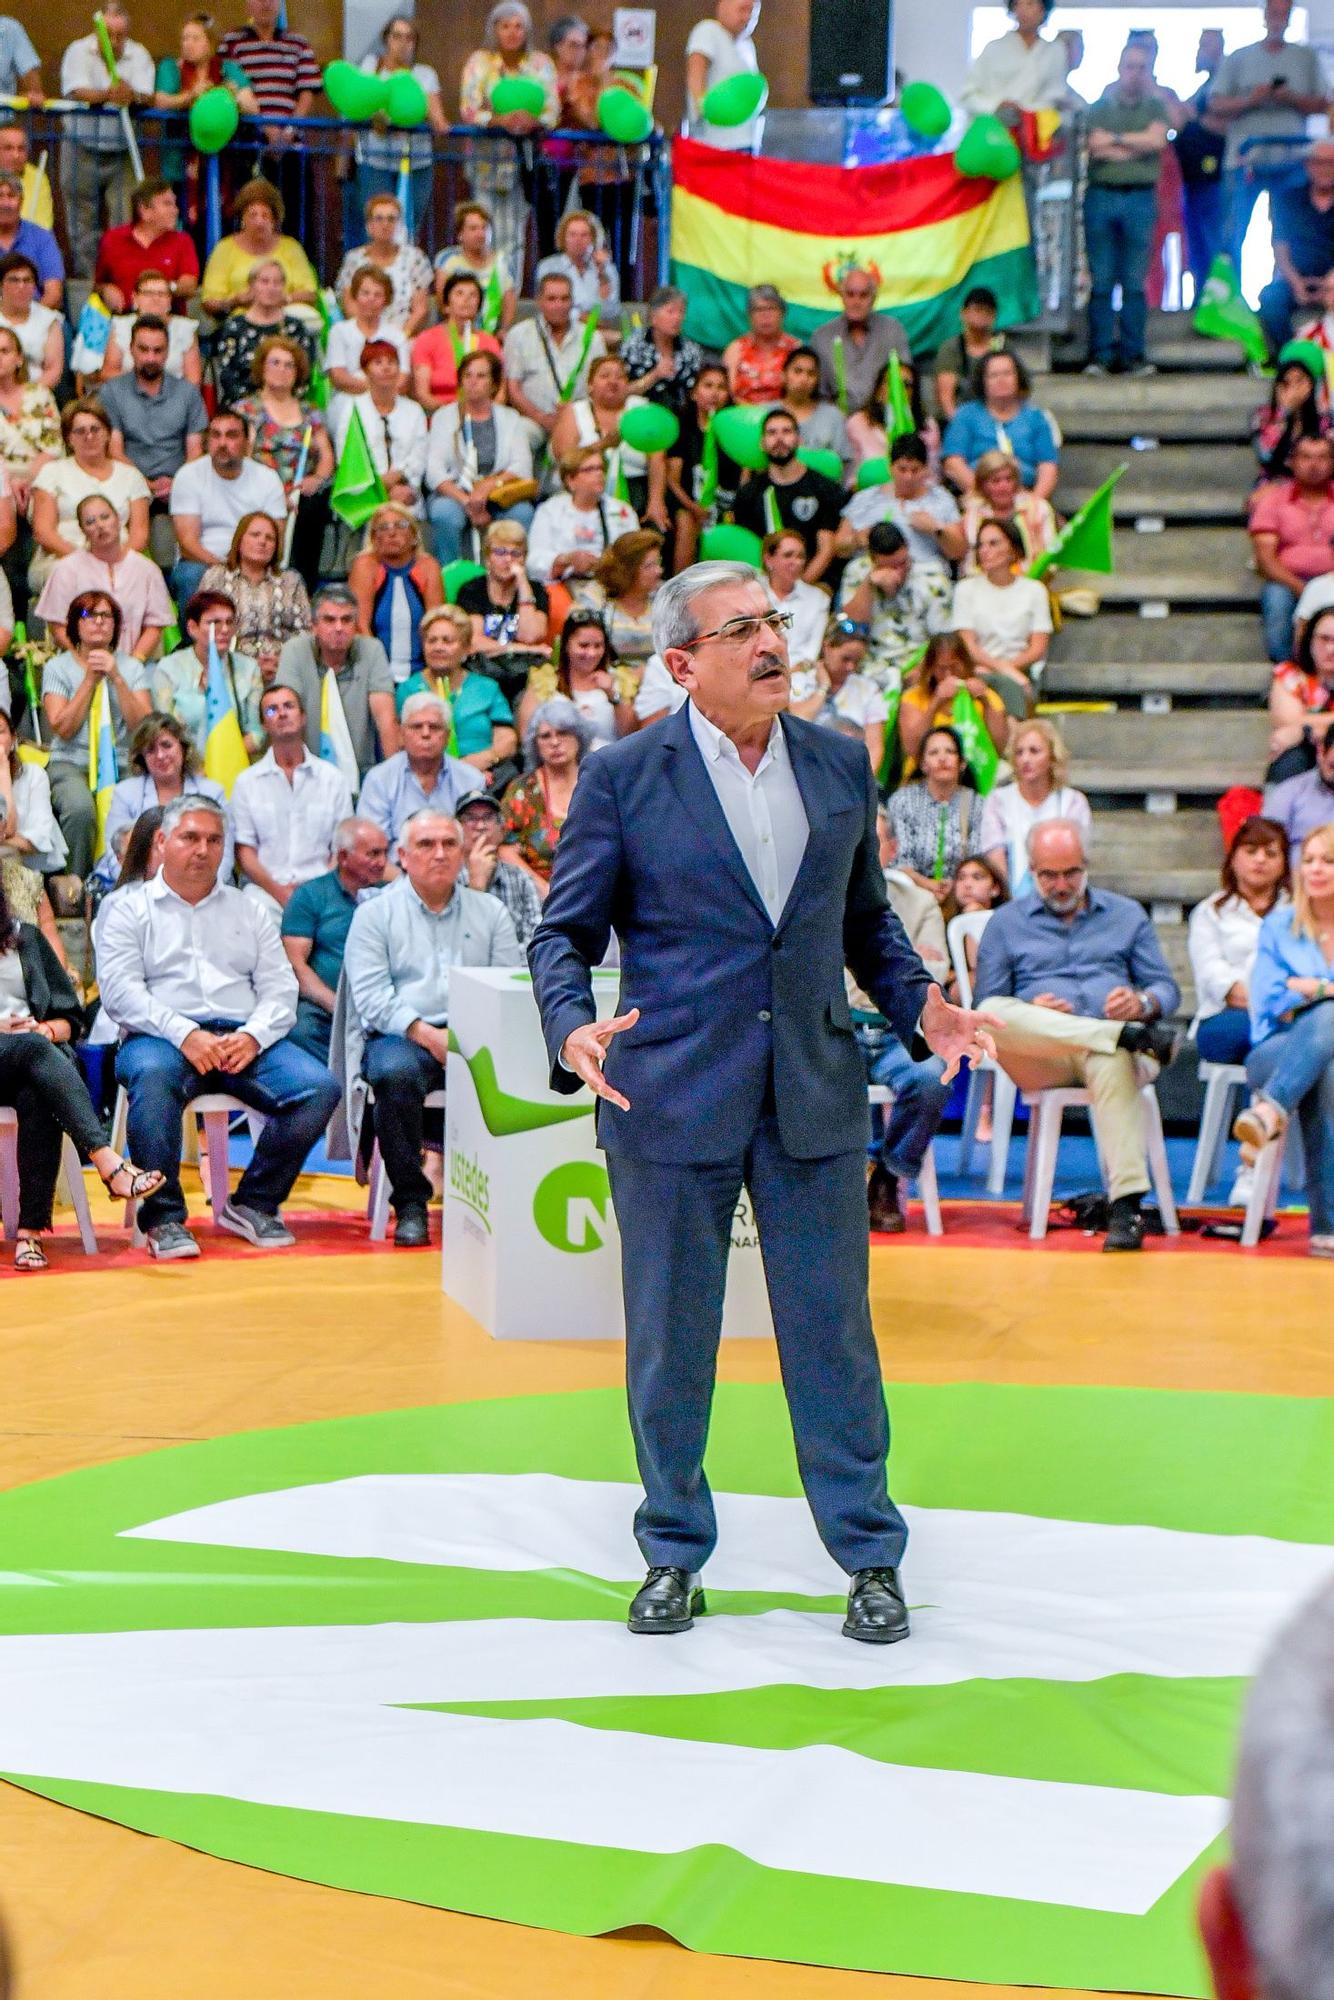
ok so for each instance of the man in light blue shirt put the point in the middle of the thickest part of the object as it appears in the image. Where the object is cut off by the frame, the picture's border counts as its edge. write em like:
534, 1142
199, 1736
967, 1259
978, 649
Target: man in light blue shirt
400, 949
419, 775
20, 64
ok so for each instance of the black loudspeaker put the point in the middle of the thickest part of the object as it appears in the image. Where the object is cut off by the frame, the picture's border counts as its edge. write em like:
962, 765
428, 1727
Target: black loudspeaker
852, 51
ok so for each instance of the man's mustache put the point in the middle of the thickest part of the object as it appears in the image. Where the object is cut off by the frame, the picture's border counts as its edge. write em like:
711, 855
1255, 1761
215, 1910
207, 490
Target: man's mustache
766, 663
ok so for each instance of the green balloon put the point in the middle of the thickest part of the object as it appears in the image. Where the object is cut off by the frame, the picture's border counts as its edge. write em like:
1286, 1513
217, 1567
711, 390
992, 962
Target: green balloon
354, 93
456, 574
827, 462
1309, 353
736, 99
872, 472
650, 429
925, 109
728, 543
623, 116
738, 430
518, 93
987, 152
213, 120
405, 100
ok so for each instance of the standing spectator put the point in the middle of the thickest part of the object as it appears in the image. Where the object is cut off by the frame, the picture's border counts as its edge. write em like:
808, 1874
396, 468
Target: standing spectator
1224, 935
538, 804
493, 170
784, 558
258, 211
1267, 90
395, 582
1303, 245
567, 39
93, 658
393, 426
1038, 791
596, 418
316, 920
286, 428
29, 239
481, 822
36, 186
545, 362
902, 606
1307, 801
271, 602
239, 336
94, 159
479, 468
285, 76
854, 347
380, 154
1127, 133
180, 681
835, 693
164, 765
925, 512
660, 360
957, 358
20, 65
89, 468
582, 256
700, 494
1000, 417
573, 530
152, 299
107, 562
1021, 71
1004, 619
158, 420
996, 495
369, 292
755, 360
473, 250
1199, 150
362, 675
715, 50
440, 352
209, 496
152, 240
789, 494
387, 249
183, 79
822, 424
1293, 411
1291, 529
286, 807
420, 775
40, 331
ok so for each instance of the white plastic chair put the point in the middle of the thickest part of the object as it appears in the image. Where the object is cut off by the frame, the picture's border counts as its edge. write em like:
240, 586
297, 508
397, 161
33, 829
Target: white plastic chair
377, 1207
1046, 1111
928, 1188
71, 1174
1219, 1080
972, 923
215, 1108
1264, 1189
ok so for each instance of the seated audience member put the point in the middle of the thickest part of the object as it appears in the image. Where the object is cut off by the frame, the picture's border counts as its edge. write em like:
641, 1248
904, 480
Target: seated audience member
265, 309
472, 250
363, 677
903, 606
20, 236
1320, 330
1294, 411
912, 1120
1003, 618
15, 159
482, 824
92, 660
582, 256
702, 480
1302, 803
368, 296
1291, 527
31, 843
755, 360
660, 693
957, 357
39, 330
395, 583
978, 885
288, 432
928, 698
210, 495
584, 673
1078, 981
1303, 231
546, 364
573, 530
271, 602
399, 949
482, 720
596, 419
1038, 791
107, 562
152, 299
999, 417
158, 419
152, 240
393, 426
164, 765
996, 495
1301, 699
42, 1016
286, 807
805, 603
1291, 1063
479, 467
935, 815
57, 489
419, 775
868, 428
661, 361
194, 976
538, 804
622, 592
508, 610
916, 908
835, 690
315, 923
856, 344
925, 513
822, 424
390, 249
788, 494
29, 420
180, 681
258, 212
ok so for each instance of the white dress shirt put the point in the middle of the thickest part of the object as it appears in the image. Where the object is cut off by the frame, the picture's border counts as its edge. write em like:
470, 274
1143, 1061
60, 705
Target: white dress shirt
659, 691
290, 820
764, 811
165, 965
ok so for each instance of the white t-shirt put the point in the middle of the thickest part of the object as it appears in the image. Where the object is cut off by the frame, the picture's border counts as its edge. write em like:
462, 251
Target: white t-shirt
182, 335
858, 700
728, 55
1004, 619
220, 503
31, 334
70, 484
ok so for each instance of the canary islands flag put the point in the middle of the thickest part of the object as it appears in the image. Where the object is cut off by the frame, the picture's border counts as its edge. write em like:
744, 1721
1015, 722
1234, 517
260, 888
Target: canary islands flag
102, 768
335, 736
224, 745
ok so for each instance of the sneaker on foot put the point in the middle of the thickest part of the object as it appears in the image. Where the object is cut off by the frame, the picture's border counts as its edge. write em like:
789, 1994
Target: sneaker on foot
170, 1241
1141, 370
1097, 368
266, 1232
1242, 1188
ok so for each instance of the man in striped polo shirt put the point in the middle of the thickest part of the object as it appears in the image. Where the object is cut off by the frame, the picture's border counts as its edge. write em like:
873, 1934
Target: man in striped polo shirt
285, 76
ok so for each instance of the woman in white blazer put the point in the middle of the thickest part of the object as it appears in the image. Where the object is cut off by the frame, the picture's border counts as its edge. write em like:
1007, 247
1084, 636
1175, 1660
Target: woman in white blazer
479, 463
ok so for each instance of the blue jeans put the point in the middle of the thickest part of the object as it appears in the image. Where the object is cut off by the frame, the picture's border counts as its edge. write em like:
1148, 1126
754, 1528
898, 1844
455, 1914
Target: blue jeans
297, 1095
1295, 1068
1242, 188
449, 524
400, 1073
1277, 604
1203, 209
1118, 228
1225, 1037
1277, 306
919, 1102
185, 580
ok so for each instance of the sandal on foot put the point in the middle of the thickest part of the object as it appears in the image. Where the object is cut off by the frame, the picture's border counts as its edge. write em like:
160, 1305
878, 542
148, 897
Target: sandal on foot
135, 1182
29, 1255
1260, 1123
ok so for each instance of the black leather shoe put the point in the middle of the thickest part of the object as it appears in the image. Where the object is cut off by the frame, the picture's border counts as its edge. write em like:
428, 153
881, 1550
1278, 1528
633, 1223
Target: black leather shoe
877, 1613
884, 1202
1150, 1038
666, 1601
1125, 1228
412, 1230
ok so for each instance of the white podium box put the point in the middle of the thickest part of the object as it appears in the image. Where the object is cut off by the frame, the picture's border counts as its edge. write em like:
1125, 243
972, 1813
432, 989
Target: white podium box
530, 1245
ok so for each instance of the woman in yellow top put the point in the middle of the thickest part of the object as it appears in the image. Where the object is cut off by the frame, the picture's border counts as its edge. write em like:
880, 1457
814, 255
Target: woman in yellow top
258, 213
928, 699
493, 169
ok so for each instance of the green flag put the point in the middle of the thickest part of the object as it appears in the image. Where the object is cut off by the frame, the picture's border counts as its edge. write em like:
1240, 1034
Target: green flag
1223, 314
982, 756
357, 487
898, 410
1085, 542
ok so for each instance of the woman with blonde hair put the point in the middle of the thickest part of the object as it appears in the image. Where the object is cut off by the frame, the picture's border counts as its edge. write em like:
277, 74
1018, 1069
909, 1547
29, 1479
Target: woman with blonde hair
998, 496
622, 592
581, 255
1291, 1064
272, 605
279, 419
265, 310
482, 720
493, 167
395, 583
1039, 791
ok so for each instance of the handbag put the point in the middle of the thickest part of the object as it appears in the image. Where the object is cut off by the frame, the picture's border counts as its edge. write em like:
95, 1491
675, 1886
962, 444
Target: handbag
510, 491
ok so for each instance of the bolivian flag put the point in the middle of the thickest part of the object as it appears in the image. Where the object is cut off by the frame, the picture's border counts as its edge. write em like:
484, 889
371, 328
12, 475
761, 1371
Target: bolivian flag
928, 231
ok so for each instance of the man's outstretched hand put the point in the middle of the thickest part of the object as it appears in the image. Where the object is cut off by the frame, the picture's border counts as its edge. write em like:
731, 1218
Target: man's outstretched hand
585, 1051
956, 1032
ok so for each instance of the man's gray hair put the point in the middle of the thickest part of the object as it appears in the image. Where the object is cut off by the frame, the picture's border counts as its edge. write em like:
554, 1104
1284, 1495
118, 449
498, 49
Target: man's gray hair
349, 831
1069, 826
419, 704
422, 815
674, 621
1283, 1810
189, 802
333, 593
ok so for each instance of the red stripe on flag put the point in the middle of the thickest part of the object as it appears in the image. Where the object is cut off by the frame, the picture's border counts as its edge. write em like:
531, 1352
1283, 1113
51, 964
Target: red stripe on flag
827, 201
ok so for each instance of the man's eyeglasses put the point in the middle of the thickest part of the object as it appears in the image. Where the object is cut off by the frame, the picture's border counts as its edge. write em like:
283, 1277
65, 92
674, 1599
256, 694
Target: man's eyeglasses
740, 631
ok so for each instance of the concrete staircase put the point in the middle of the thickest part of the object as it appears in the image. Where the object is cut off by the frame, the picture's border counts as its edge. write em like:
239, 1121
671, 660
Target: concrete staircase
1166, 686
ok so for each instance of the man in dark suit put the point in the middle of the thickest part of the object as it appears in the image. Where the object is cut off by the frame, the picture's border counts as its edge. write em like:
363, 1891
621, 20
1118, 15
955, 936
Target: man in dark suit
733, 851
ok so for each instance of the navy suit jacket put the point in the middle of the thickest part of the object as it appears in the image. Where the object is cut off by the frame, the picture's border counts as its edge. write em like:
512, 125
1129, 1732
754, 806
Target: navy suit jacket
726, 998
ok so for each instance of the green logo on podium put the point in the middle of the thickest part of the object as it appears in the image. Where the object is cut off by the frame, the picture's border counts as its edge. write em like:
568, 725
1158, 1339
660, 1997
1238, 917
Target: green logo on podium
571, 1206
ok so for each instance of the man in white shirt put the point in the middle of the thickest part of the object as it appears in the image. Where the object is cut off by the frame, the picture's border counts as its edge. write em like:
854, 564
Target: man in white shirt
421, 774
195, 978
209, 495
1019, 71
546, 359
396, 964
94, 159
925, 514
716, 50
286, 808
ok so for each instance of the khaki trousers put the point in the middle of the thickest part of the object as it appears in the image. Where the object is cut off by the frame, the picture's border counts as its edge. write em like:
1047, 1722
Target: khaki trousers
1041, 1049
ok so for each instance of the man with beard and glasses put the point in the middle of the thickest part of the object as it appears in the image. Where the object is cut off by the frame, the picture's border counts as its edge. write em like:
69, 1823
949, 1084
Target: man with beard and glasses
788, 494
